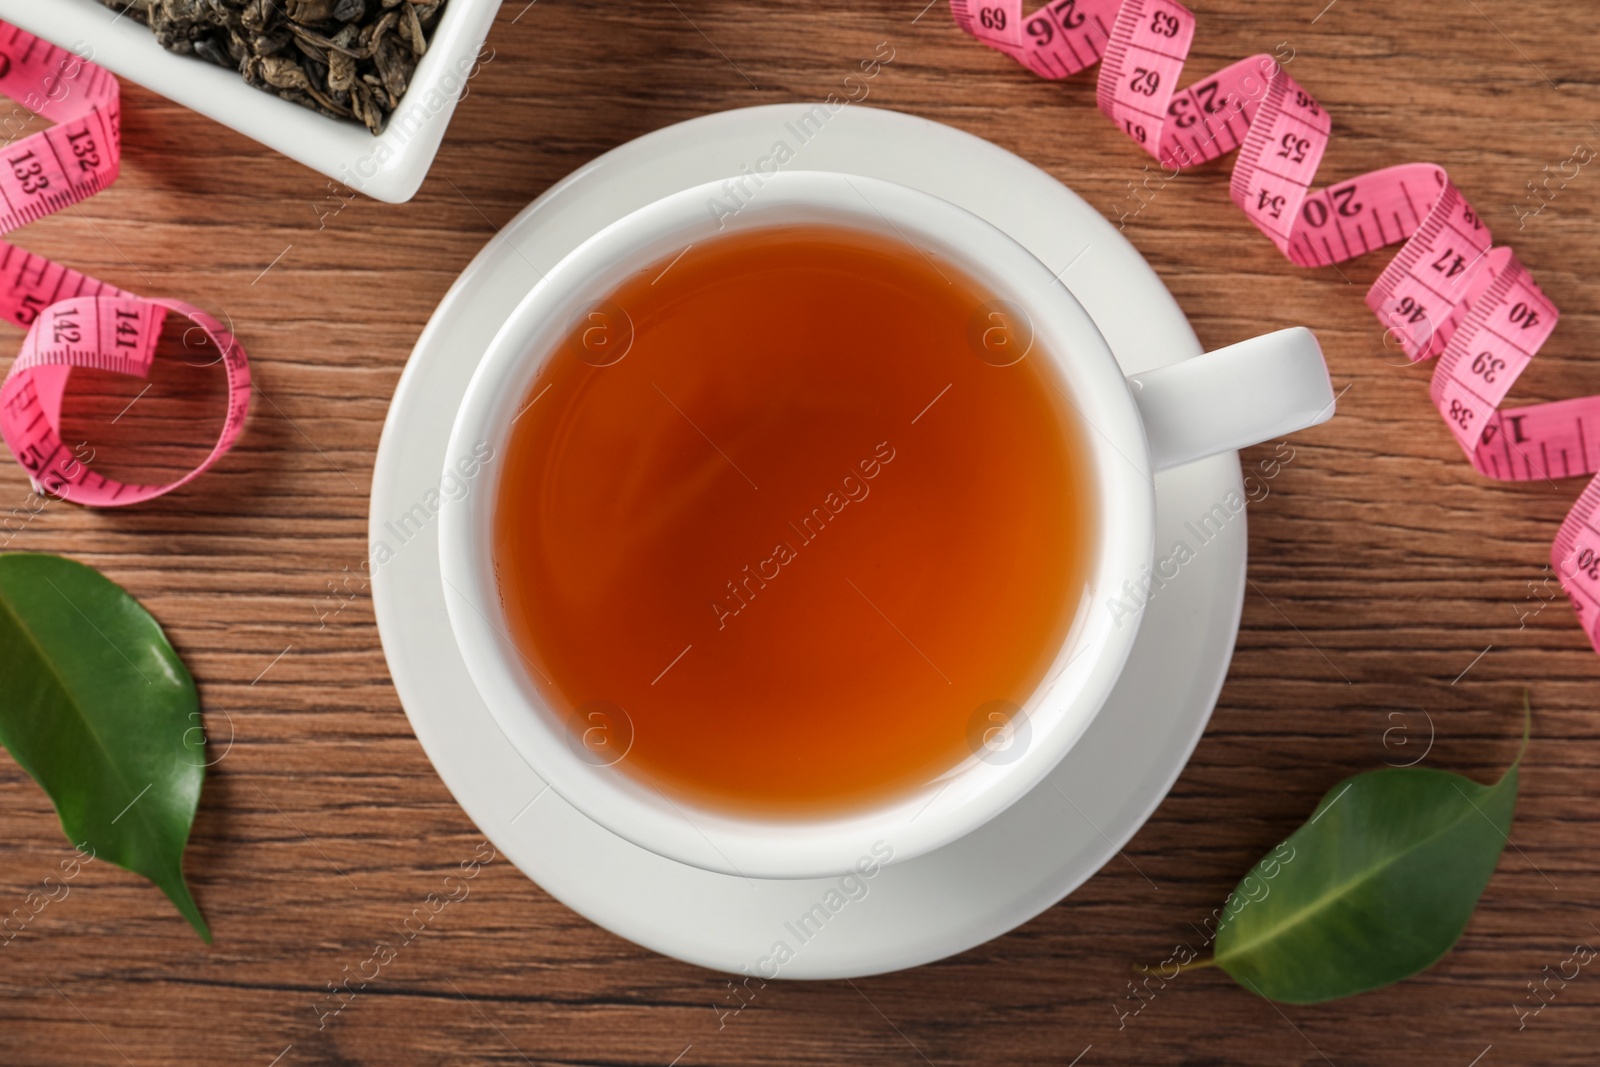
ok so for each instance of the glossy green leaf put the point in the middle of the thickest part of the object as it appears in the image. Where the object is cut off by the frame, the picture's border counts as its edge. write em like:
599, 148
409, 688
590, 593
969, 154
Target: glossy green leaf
97, 707
1376, 886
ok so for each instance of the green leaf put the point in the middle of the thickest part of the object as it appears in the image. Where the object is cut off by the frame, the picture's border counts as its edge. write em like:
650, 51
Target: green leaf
97, 707
1375, 887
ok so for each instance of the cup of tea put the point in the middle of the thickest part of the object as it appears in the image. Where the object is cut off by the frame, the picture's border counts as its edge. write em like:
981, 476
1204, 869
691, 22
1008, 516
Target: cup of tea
801, 520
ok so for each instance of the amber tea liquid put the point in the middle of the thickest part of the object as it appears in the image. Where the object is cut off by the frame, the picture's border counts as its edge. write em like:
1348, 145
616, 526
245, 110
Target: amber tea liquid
802, 530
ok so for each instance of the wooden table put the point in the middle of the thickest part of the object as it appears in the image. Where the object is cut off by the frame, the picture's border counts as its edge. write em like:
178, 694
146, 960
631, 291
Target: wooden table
1391, 586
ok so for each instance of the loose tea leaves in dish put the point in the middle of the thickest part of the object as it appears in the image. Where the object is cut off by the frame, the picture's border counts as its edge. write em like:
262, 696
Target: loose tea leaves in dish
350, 59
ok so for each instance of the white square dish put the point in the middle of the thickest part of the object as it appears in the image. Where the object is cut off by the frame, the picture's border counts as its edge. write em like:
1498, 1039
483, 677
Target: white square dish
387, 167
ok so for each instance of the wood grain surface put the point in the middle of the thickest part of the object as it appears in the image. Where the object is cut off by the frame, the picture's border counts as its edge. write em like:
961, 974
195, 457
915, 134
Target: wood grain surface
1391, 587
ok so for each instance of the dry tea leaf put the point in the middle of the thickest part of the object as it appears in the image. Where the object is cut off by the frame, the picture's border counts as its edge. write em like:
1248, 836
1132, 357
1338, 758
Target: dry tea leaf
350, 59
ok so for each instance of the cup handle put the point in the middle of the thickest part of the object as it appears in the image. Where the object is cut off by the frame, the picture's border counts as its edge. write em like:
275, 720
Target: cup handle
1241, 395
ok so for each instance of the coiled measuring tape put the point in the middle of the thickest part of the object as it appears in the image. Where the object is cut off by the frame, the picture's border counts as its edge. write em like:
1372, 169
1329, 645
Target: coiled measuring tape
1449, 293
74, 320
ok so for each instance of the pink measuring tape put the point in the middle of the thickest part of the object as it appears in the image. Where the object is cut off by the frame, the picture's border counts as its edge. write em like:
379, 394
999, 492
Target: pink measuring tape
74, 320
1448, 293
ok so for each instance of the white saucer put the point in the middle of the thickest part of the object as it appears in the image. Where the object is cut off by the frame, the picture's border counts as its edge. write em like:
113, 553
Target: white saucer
912, 912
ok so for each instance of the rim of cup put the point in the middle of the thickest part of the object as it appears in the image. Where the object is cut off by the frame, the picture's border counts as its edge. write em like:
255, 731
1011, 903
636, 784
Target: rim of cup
1014, 748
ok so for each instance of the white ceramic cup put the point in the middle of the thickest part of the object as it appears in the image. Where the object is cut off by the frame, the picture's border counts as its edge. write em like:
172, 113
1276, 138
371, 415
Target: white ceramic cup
1237, 396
